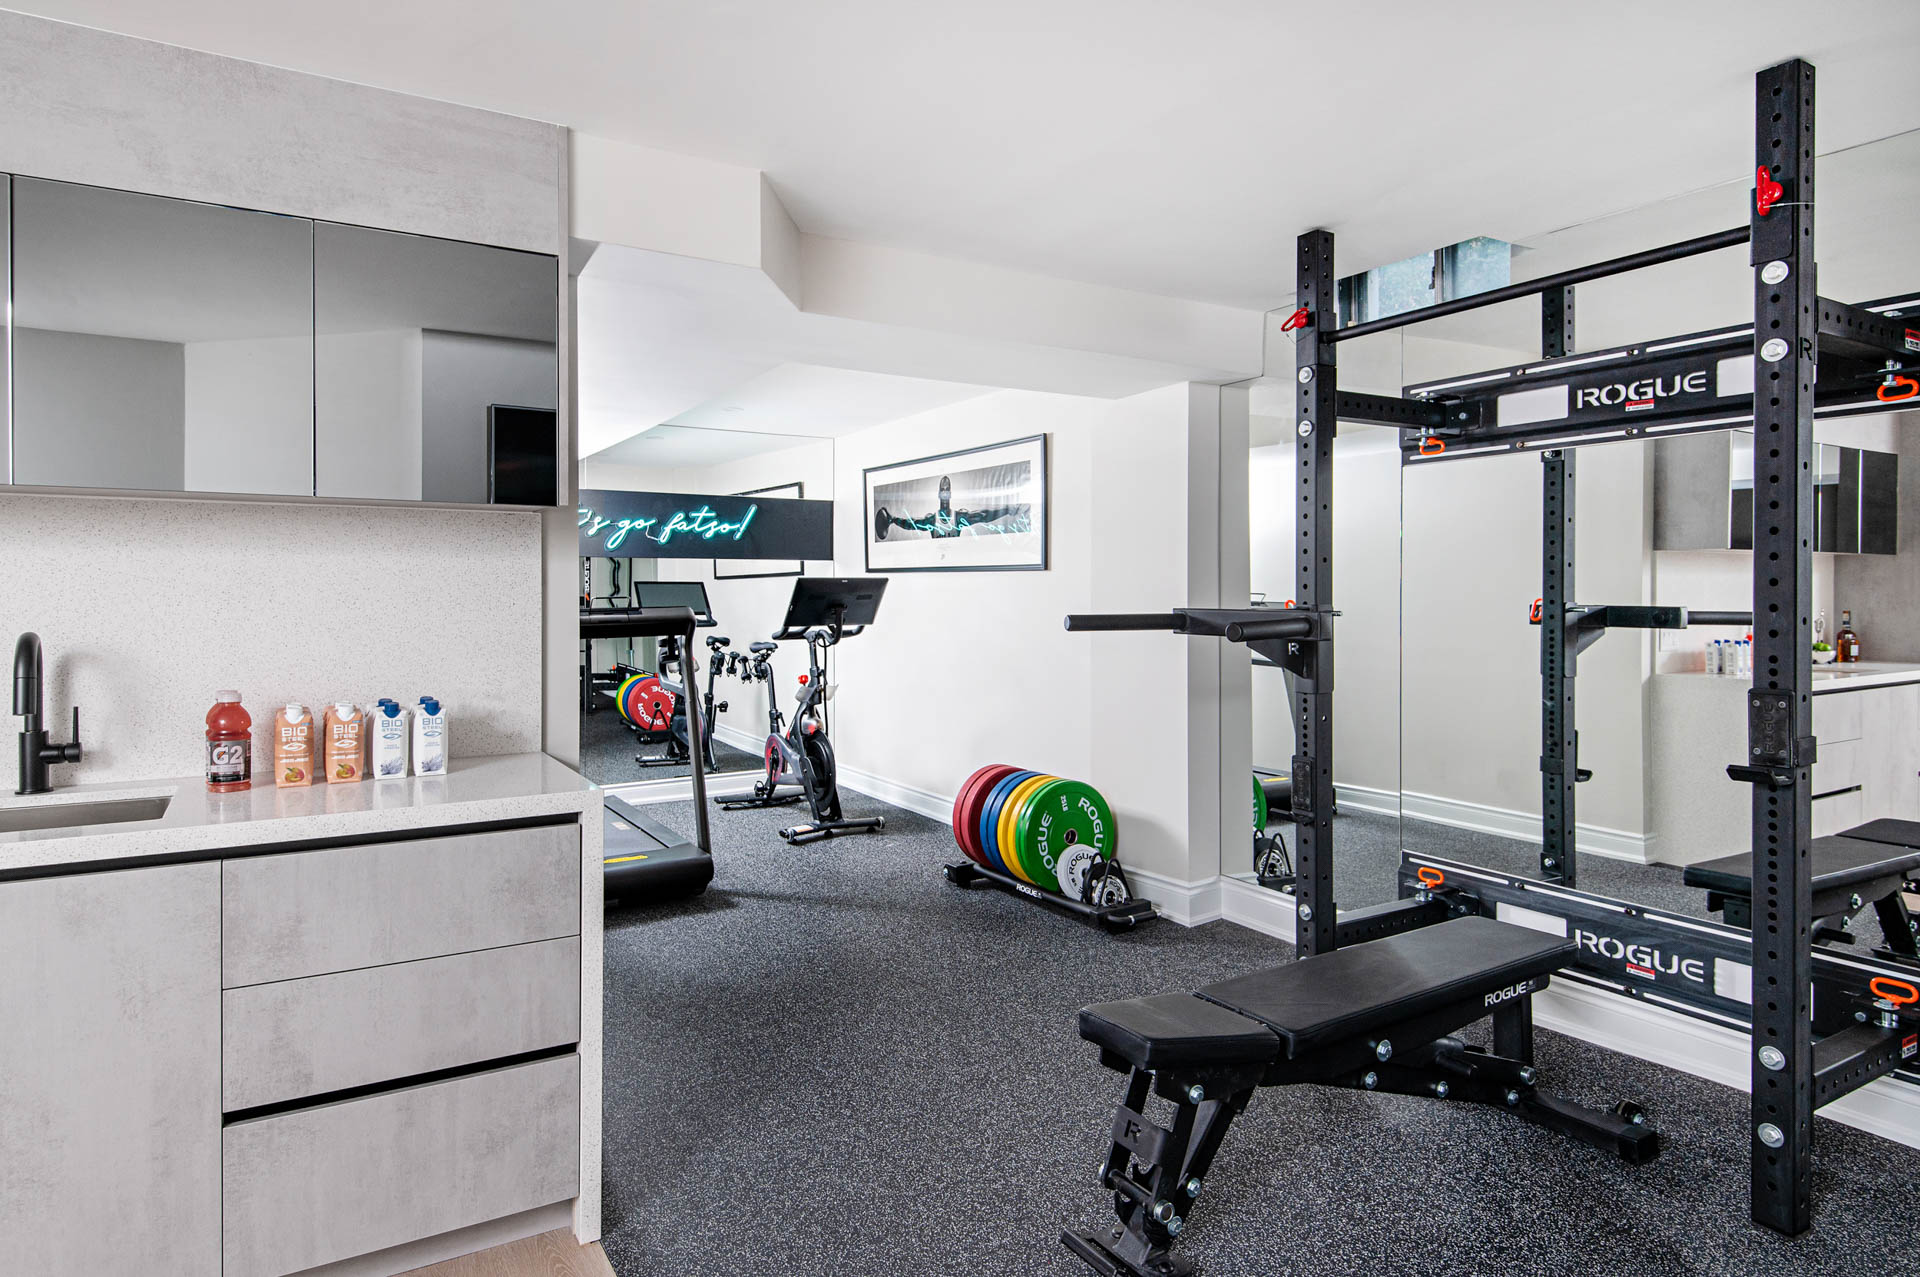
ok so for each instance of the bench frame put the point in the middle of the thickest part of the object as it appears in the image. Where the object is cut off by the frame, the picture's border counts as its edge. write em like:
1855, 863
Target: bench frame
1157, 1173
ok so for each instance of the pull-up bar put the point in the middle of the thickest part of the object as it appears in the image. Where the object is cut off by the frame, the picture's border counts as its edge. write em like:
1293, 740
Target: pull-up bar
1530, 287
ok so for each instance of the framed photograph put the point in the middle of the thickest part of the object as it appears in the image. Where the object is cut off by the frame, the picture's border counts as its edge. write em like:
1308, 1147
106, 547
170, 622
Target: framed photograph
736, 569
981, 510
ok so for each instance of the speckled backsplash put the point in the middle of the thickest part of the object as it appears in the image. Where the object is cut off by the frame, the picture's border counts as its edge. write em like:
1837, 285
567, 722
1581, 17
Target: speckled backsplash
148, 607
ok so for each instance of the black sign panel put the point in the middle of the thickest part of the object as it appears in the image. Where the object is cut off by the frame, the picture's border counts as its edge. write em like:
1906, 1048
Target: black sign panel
679, 525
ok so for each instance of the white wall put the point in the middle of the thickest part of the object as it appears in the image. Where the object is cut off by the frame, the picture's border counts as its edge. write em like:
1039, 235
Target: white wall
969, 668
94, 411
367, 424
1471, 663
1366, 637
249, 416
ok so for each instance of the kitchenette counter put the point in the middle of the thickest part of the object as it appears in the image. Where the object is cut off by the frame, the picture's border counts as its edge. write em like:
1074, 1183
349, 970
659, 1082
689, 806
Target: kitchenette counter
197, 824
299, 998
1826, 678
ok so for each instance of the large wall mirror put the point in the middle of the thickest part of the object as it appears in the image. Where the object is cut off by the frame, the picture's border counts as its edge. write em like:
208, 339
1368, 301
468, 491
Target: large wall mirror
1664, 523
747, 598
162, 345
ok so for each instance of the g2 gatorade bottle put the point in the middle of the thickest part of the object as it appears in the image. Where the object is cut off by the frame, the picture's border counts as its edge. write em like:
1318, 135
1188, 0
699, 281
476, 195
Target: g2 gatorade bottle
229, 745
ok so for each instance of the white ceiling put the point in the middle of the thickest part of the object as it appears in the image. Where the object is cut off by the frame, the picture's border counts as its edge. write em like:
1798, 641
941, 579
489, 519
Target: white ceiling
804, 399
678, 447
1174, 148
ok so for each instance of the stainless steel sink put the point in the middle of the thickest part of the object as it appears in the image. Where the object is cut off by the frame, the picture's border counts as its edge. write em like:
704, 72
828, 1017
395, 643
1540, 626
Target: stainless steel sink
107, 811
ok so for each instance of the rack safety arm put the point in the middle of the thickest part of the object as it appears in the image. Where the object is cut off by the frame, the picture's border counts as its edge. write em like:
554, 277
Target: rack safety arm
1095, 621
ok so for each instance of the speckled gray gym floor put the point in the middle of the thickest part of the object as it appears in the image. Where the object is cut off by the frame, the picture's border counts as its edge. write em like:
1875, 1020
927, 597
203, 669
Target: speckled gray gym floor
833, 1062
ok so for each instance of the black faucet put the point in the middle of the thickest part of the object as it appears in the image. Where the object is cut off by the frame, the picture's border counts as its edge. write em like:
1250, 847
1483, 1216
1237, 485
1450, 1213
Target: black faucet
37, 753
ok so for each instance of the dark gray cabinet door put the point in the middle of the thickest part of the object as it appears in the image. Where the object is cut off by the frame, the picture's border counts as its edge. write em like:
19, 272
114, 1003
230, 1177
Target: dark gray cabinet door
159, 344
435, 367
110, 1073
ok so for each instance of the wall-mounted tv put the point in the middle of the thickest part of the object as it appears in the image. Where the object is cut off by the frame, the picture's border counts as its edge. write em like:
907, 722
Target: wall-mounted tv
522, 455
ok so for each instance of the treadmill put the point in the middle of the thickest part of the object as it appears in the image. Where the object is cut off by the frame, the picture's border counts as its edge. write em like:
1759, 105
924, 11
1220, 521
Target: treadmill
642, 858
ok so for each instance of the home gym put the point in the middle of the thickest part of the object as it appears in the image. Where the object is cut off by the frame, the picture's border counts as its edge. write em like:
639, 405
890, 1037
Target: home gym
1038, 639
1514, 855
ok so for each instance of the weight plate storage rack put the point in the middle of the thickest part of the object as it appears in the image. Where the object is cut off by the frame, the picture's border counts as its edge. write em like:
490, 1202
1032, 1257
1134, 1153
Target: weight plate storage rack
1046, 839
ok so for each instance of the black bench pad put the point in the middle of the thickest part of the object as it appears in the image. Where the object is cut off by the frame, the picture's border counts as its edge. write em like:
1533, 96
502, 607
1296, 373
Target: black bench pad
1837, 862
1177, 1030
1901, 833
1335, 996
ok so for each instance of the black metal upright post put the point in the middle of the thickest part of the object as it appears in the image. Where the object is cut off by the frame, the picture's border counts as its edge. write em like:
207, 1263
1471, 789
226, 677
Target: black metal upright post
1317, 382
1559, 742
1779, 709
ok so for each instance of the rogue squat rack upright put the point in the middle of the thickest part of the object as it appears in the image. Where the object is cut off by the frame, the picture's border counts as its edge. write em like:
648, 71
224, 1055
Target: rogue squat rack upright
1763, 375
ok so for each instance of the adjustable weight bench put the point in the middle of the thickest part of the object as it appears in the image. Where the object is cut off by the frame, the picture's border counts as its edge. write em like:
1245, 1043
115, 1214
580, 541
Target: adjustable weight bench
1372, 1016
1869, 865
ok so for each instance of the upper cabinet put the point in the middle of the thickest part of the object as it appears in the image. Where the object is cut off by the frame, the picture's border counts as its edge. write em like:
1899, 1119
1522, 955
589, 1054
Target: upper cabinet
421, 347
162, 345
159, 344
1703, 495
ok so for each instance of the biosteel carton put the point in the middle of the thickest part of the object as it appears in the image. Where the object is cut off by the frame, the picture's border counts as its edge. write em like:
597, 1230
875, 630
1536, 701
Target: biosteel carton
389, 728
293, 745
429, 738
346, 732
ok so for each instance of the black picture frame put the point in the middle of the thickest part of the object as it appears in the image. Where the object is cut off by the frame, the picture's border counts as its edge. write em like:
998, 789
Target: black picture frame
796, 491
900, 556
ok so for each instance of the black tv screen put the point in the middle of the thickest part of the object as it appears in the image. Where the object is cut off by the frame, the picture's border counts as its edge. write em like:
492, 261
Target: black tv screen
522, 455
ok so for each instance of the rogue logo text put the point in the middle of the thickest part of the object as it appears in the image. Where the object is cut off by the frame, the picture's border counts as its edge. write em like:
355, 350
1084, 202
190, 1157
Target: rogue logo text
1641, 394
1644, 961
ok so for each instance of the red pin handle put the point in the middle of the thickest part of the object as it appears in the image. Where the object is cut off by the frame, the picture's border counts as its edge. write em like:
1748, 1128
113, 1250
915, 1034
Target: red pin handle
1894, 389
1898, 992
1298, 319
1766, 191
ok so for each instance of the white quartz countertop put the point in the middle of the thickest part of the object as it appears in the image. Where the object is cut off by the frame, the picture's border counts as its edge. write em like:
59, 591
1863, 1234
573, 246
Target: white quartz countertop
474, 790
1826, 678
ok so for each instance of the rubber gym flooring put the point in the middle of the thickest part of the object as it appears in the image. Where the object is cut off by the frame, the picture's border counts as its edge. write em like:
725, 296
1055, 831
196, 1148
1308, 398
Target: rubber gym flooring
608, 745
834, 1062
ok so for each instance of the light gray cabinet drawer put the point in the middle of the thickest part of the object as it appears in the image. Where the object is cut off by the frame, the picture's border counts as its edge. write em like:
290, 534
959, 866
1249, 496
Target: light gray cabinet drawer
1836, 717
295, 1038
323, 1184
305, 913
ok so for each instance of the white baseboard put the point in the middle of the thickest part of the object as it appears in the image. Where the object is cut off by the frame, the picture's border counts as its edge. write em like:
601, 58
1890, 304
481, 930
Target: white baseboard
1589, 840
923, 802
1258, 908
1381, 802
1187, 903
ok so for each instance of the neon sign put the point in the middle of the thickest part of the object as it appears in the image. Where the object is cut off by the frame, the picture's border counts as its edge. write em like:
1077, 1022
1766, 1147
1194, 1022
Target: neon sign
702, 523
646, 525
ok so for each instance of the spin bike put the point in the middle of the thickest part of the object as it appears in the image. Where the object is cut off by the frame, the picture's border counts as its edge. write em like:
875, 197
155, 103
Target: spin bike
799, 757
679, 749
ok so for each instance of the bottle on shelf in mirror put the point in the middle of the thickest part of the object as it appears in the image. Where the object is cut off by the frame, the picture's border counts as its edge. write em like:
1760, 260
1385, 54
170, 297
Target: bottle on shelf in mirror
1846, 643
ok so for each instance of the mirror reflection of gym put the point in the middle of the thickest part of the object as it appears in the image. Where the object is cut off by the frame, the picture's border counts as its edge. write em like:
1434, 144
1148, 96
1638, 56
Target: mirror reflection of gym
745, 601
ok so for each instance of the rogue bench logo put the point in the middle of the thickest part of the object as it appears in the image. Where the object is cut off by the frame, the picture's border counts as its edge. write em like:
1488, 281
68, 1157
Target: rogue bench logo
1640, 395
1641, 961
